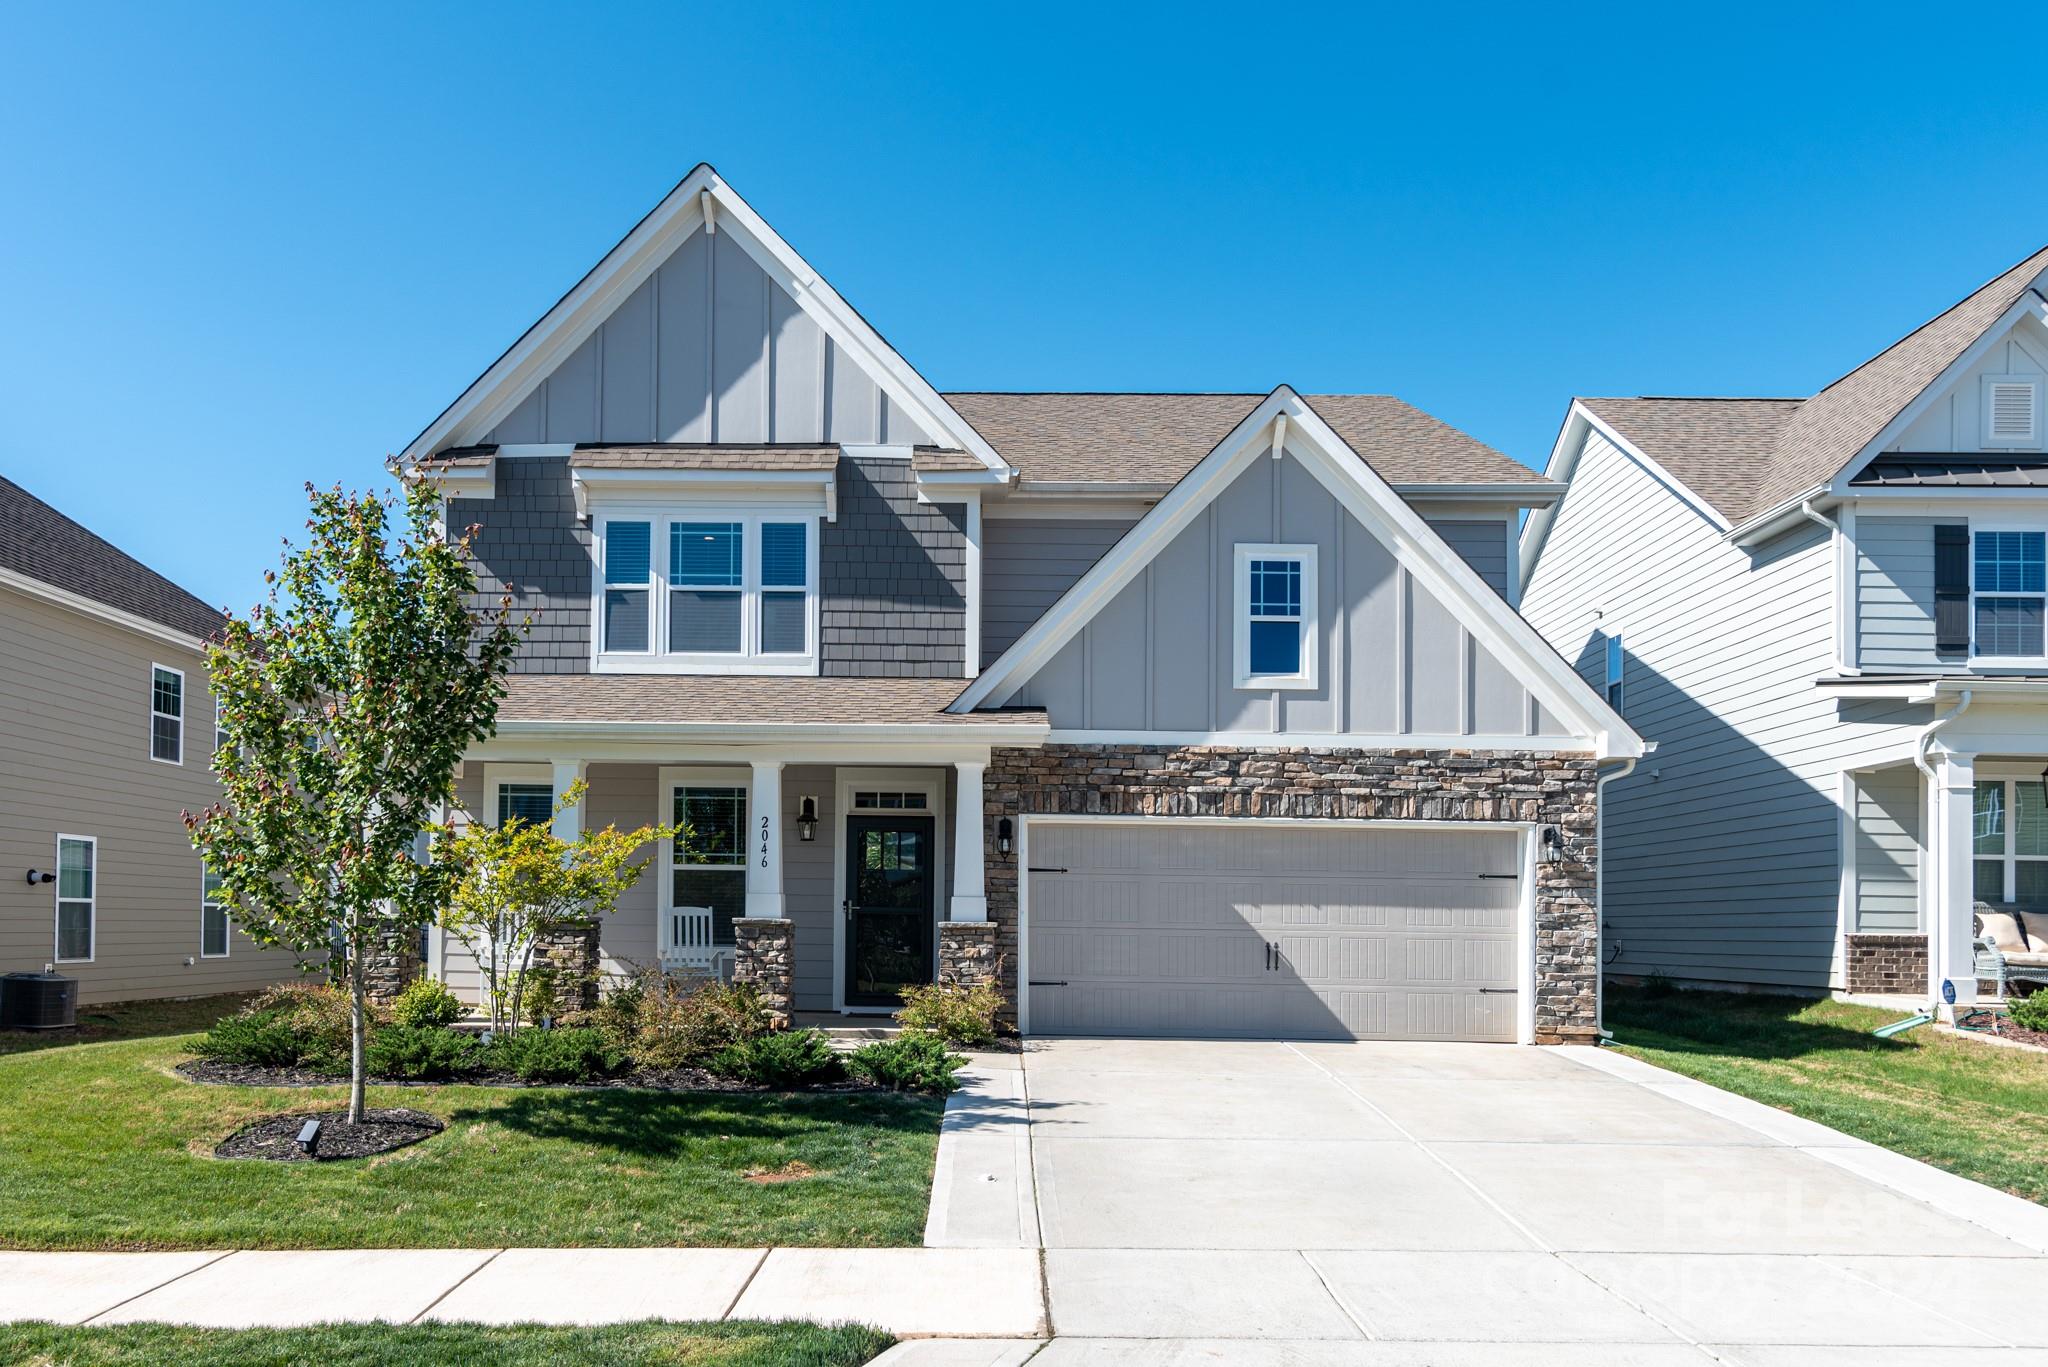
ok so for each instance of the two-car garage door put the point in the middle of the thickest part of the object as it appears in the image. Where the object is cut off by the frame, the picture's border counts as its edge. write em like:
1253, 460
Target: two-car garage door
1298, 930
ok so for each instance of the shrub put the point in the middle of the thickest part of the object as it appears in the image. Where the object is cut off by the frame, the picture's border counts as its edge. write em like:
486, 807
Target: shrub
421, 1053
676, 1028
571, 1054
961, 1016
542, 998
617, 1015
253, 1041
2031, 1011
908, 1063
425, 1005
297, 1025
788, 1058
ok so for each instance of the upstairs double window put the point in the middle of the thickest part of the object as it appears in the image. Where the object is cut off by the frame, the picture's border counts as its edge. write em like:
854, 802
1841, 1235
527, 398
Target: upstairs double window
712, 593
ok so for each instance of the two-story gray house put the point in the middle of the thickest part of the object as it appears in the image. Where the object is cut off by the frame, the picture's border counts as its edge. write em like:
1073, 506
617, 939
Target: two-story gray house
1828, 615
1182, 713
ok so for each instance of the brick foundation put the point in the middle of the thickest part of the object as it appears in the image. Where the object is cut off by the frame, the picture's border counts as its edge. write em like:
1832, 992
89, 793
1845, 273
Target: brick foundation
968, 956
764, 954
1432, 785
1885, 964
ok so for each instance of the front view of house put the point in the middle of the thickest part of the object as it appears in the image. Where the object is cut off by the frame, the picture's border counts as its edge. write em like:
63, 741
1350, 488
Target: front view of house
1179, 714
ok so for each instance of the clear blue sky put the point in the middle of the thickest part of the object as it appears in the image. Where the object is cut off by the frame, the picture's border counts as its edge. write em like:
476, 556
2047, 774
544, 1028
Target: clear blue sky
245, 247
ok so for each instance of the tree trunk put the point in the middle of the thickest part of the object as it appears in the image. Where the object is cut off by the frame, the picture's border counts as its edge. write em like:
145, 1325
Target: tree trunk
357, 1021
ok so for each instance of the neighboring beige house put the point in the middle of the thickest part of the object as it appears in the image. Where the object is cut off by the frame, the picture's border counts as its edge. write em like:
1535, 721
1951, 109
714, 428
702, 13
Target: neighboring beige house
106, 736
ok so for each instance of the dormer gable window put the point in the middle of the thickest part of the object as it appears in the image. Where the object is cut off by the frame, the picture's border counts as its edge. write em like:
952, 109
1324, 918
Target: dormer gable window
711, 590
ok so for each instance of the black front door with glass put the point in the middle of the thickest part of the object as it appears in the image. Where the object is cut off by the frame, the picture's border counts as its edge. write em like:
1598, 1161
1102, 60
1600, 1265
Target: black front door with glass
889, 907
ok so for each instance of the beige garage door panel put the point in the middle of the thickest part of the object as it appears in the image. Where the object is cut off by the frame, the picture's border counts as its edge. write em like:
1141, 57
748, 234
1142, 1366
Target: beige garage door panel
1304, 932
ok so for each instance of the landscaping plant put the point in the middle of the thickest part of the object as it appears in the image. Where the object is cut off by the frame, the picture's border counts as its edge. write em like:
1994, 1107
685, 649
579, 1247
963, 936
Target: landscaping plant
964, 1017
346, 699
422, 1053
568, 1055
784, 1058
678, 1027
2031, 1011
426, 1004
908, 1063
513, 884
295, 1025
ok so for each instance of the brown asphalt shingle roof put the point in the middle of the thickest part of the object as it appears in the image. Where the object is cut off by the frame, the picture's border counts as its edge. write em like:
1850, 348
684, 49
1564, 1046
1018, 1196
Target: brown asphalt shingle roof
1157, 438
1748, 456
38, 542
741, 700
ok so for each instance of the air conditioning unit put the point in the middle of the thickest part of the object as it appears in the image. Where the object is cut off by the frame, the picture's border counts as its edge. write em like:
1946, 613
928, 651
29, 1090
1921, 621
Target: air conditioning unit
38, 1001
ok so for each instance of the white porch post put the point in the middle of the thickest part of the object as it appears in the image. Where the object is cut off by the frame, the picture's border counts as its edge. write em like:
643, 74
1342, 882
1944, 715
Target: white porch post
764, 842
970, 891
568, 825
1949, 953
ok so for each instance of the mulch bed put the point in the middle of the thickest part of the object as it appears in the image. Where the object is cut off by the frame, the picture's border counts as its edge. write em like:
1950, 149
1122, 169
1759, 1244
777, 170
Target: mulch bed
219, 1074
275, 1138
2019, 1033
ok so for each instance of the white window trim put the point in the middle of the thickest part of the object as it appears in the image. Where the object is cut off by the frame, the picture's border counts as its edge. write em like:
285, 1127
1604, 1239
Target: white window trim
92, 903
1240, 616
1991, 442
748, 660
2011, 858
667, 779
2004, 661
183, 705
227, 940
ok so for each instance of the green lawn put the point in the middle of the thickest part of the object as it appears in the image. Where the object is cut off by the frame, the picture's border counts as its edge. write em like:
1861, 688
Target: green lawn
101, 1146
1975, 1109
447, 1345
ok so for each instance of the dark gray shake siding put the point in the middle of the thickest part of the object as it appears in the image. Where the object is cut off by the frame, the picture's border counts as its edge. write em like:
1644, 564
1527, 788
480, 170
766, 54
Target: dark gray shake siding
529, 542
892, 570
894, 576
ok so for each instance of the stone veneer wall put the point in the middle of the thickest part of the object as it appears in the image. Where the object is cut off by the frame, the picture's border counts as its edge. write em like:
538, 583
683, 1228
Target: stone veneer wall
764, 954
1894, 965
1430, 785
968, 954
391, 967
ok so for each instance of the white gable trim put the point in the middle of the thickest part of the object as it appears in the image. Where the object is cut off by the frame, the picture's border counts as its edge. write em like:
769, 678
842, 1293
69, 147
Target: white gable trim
579, 313
1369, 499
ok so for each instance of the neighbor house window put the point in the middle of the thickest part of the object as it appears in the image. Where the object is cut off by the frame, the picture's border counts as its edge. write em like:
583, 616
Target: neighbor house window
728, 592
1275, 604
1616, 665
213, 916
166, 714
2008, 590
220, 729
708, 867
2009, 842
532, 803
77, 892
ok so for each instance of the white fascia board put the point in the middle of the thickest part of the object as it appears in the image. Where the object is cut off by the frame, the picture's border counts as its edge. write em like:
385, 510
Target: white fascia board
1369, 499
90, 607
1324, 740
1092, 488
806, 491
1839, 487
1559, 469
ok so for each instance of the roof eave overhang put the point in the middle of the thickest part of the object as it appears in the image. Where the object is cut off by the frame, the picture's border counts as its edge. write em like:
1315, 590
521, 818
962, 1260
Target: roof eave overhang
1530, 495
600, 484
965, 731
92, 607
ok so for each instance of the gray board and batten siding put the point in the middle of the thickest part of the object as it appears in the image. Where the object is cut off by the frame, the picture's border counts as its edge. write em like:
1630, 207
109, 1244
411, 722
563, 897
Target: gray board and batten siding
1393, 660
892, 571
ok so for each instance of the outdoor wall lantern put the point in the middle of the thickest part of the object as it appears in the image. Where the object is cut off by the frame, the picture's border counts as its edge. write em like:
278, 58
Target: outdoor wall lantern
807, 819
36, 876
1004, 832
1553, 845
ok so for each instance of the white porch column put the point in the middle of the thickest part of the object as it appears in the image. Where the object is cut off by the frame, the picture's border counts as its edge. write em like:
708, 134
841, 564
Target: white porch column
1949, 953
764, 842
970, 891
568, 825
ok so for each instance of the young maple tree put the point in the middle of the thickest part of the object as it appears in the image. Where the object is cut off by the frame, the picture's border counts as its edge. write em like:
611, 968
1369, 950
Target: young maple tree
514, 883
347, 698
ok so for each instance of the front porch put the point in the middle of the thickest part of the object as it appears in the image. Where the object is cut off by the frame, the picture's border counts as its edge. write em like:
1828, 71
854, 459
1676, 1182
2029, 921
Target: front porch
831, 877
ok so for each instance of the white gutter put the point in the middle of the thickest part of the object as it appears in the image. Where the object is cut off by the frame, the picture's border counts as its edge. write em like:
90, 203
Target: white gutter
1927, 736
1764, 524
1628, 766
751, 733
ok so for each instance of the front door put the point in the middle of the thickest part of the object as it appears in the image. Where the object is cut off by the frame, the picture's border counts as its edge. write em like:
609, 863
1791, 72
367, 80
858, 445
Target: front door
889, 907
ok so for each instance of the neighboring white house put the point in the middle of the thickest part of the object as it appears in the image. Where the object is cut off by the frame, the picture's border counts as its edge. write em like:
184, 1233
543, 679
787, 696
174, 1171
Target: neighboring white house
1827, 614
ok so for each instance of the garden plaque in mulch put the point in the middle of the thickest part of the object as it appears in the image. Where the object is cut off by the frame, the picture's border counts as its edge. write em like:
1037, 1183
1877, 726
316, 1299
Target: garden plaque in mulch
276, 1138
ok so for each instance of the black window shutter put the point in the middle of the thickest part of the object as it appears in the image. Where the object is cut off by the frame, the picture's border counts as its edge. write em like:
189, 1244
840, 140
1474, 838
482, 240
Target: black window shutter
1952, 588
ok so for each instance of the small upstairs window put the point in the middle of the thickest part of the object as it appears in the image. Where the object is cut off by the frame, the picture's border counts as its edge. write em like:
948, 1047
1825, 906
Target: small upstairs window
166, 714
731, 593
1275, 615
2012, 410
2008, 593
1617, 664
628, 585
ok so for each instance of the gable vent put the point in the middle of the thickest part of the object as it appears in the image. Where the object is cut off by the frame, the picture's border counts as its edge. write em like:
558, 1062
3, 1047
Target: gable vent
2012, 411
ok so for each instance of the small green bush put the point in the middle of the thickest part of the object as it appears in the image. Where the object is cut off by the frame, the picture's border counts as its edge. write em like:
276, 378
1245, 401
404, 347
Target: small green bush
908, 1063
298, 1025
677, 1028
573, 1054
788, 1058
425, 1005
2031, 1011
964, 1017
421, 1053
541, 996
262, 1041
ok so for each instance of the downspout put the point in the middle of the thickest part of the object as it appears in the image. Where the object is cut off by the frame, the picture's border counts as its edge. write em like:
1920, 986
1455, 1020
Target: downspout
1937, 850
1628, 766
1839, 646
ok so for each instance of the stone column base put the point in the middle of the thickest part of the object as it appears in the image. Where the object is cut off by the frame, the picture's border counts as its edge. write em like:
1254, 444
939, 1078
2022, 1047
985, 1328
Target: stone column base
1891, 965
392, 967
764, 954
967, 954
571, 950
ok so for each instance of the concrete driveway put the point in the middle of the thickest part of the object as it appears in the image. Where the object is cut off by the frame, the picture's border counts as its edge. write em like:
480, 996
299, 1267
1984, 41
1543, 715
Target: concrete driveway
1390, 1204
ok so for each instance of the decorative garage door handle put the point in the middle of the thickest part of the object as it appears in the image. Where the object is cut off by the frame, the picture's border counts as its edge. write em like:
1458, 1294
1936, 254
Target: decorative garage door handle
1498, 991
1047, 982
1509, 876
1033, 868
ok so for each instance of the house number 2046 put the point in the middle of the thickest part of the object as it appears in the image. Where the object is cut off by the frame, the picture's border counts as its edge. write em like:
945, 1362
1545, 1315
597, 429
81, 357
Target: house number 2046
764, 842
